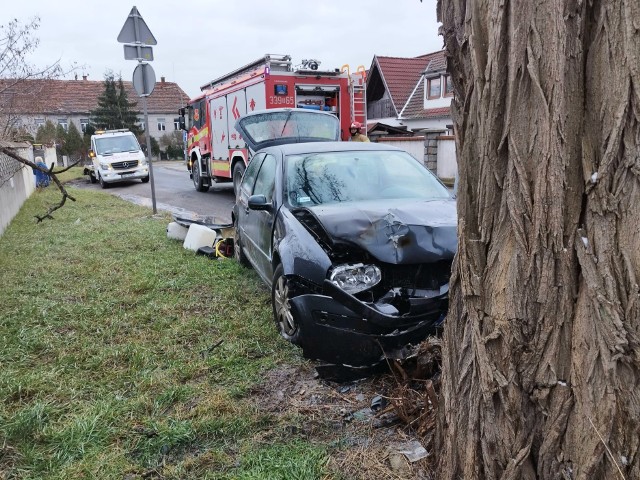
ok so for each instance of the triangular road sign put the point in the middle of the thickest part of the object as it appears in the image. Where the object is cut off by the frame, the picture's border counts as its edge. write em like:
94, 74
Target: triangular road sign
128, 32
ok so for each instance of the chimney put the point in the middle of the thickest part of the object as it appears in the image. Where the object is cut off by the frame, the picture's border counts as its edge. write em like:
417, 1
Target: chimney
84, 77
161, 79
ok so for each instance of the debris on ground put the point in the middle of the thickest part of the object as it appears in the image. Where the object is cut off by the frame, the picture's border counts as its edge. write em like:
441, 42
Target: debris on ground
379, 427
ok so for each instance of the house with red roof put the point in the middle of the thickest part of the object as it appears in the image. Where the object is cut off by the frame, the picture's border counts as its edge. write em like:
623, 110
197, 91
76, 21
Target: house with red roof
412, 97
412, 92
32, 102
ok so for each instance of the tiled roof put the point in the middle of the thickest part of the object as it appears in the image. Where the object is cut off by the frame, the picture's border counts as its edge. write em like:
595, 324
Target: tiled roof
401, 74
437, 64
80, 96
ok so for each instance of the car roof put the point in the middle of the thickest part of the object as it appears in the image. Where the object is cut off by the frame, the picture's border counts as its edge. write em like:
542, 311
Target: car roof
320, 147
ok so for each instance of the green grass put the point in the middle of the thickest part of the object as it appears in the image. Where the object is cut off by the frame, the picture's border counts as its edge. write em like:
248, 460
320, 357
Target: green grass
106, 362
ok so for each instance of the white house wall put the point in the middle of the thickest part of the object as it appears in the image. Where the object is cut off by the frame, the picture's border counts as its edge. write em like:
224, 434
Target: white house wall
29, 121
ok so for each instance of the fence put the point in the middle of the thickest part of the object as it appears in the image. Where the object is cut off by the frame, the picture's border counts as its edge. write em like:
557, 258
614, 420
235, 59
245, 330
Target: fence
435, 150
16, 182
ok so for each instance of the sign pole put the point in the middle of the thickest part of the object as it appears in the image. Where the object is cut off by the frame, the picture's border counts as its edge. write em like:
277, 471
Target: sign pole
135, 31
146, 134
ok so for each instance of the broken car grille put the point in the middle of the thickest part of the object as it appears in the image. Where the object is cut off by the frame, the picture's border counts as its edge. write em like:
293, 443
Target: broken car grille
429, 276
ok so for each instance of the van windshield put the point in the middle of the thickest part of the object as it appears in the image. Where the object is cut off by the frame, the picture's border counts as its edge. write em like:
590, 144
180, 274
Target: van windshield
122, 143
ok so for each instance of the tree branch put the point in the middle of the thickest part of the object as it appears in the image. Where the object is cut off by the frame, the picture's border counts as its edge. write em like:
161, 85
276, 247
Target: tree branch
49, 171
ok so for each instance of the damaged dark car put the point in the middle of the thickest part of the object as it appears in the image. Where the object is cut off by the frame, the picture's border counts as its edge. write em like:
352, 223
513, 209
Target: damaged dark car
356, 240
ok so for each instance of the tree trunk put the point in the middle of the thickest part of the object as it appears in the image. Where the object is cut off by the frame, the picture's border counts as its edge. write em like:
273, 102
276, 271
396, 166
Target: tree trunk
541, 347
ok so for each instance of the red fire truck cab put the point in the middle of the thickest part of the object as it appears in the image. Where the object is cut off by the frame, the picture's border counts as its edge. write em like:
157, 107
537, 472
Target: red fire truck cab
217, 152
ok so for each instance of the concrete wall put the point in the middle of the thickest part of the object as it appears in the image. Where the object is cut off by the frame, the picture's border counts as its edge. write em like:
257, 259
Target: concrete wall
17, 183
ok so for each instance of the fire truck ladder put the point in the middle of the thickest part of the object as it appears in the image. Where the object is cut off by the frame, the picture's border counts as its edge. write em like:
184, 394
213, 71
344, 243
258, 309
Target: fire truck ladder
358, 87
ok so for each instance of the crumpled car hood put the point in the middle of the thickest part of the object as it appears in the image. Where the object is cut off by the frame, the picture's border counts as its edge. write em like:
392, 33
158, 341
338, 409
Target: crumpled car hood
394, 231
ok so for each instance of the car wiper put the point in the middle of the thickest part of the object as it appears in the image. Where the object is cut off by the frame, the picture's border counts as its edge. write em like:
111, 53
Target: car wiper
106, 154
285, 122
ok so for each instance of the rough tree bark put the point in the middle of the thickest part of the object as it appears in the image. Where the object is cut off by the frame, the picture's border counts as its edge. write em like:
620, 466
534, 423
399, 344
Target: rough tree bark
541, 347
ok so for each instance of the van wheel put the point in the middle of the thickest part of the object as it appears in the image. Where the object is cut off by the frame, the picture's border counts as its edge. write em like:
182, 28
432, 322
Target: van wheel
238, 171
145, 179
281, 293
197, 179
92, 178
103, 184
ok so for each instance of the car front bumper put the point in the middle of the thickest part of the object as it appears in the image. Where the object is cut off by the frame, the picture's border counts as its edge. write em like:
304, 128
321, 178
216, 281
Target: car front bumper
340, 329
111, 176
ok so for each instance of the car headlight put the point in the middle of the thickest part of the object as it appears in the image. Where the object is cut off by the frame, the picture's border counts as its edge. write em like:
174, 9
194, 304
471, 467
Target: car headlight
143, 161
105, 166
354, 278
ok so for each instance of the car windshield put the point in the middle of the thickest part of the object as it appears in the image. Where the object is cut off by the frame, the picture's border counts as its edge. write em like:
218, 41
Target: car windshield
330, 177
121, 143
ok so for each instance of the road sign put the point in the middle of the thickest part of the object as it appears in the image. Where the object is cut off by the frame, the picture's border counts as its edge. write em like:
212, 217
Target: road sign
138, 52
144, 79
135, 30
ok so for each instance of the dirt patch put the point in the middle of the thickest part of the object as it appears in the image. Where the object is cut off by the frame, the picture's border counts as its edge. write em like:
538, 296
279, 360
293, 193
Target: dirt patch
368, 423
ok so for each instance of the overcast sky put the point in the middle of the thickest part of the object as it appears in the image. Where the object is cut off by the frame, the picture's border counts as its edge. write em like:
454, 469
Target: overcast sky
199, 40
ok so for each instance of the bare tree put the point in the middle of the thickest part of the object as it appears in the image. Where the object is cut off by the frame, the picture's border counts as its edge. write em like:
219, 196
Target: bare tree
541, 354
17, 41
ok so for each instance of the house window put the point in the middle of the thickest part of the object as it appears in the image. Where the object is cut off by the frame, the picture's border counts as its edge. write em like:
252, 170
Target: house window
64, 123
433, 88
448, 86
142, 126
39, 122
176, 124
84, 123
161, 125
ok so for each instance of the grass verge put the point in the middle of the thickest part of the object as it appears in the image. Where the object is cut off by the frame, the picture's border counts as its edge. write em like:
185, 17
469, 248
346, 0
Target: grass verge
111, 365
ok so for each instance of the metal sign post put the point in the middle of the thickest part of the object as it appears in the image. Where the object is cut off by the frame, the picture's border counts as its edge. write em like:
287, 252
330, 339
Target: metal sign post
135, 31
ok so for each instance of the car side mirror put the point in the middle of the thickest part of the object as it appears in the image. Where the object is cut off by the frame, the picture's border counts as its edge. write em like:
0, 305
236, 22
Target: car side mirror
182, 123
259, 202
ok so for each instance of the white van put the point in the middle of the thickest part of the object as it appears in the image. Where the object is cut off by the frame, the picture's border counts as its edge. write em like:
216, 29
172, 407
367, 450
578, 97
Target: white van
115, 157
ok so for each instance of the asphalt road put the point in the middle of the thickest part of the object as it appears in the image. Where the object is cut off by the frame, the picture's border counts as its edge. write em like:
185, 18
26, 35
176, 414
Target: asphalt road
175, 193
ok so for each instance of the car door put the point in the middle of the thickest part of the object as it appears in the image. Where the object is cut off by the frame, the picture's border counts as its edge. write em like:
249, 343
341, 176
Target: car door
258, 224
242, 201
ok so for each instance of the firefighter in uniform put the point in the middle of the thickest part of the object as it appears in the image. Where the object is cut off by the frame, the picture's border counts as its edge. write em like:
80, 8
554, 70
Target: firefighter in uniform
356, 136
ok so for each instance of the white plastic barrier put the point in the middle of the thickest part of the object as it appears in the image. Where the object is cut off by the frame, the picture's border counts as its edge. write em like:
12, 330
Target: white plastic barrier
176, 231
199, 236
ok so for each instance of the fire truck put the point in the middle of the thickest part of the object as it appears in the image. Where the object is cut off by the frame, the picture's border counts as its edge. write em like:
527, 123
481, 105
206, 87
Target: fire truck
217, 152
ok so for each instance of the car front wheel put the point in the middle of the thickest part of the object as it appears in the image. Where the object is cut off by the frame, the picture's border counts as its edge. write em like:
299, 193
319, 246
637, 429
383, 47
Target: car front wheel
237, 247
281, 294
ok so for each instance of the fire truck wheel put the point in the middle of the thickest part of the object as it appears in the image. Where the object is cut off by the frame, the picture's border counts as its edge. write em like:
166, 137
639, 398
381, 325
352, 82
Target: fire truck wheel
238, 171
197, 179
